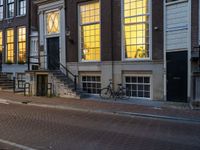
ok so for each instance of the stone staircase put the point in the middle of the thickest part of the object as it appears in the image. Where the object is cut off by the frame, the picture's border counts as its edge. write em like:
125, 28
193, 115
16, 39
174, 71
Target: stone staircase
6, 84
63, 86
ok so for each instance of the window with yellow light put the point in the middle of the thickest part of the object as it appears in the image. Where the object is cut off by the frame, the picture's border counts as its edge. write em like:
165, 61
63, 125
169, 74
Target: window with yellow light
22, 45
90, 31
52, 22
136, 29
10, 46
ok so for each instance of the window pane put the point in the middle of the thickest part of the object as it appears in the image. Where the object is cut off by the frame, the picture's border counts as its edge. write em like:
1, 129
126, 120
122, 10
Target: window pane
91, 84
22, 45
10, 46
136, 29
53, 22
90, 31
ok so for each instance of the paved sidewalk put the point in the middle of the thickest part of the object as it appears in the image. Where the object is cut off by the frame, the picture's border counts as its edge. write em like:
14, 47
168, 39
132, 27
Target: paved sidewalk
153, 109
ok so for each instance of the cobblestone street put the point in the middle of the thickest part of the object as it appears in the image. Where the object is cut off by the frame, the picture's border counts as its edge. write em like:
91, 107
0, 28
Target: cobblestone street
45, 128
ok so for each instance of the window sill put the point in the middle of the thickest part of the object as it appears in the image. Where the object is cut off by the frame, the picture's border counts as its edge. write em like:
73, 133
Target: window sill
136, 59
9, 18
18, 16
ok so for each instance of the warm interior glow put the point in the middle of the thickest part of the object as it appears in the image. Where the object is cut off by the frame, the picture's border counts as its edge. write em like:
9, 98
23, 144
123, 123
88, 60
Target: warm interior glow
136, 28
90, 31
10, 45
22, 45
1, 41
53, 22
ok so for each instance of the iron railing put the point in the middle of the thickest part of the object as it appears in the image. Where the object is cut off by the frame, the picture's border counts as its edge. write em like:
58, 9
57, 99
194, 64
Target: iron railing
42, 62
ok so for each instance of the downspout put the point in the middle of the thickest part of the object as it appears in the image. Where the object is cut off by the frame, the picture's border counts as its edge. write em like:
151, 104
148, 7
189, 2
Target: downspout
112, 47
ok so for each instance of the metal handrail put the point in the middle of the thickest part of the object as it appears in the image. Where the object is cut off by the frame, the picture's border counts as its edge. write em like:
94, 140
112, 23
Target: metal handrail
60, 64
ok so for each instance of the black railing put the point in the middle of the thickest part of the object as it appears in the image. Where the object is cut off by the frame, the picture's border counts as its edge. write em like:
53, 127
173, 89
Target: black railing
42, 61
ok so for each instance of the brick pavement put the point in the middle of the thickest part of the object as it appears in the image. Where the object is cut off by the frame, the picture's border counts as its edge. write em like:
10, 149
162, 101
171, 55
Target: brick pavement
99, 105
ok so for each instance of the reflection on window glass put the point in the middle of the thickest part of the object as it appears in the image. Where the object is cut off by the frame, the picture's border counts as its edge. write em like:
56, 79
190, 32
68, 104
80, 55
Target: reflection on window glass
136, 29
53, 25
10, 9
22, 45
90, 31
22, 7
1, 9
10, 46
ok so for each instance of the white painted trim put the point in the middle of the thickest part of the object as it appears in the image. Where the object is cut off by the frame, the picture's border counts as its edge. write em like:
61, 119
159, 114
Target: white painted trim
150, 35
140, 75
189, 48
175, 2
164, 52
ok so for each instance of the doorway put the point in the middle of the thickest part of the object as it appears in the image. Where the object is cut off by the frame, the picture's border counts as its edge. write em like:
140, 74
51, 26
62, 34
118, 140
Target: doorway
53, 58
177, 71
42, 85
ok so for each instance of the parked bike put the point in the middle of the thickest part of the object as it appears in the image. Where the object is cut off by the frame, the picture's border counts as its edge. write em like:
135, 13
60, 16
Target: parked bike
121, 93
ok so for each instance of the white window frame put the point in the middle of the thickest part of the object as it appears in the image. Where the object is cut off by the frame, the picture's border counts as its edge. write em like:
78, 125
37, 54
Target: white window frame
7, 9
18, 8
79, 31
18, 43
140, 75
150, 34
2, 6
87, 82
45, 23
6, 53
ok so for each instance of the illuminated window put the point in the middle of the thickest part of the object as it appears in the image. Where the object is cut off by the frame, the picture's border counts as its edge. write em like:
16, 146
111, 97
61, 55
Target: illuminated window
90, 31
1, 41
53, 25
22, 7
136, 29
1, 9
21, 45
10, 46
10, 8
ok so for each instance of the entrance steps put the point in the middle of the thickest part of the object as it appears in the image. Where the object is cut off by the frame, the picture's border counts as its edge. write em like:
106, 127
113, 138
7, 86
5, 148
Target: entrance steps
6, 84
62, 85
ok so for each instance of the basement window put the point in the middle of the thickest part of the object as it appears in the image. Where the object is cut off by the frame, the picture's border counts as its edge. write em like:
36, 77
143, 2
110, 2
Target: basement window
91, 84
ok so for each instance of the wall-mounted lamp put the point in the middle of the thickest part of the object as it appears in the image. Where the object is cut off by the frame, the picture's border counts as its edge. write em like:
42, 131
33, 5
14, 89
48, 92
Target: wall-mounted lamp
156, 28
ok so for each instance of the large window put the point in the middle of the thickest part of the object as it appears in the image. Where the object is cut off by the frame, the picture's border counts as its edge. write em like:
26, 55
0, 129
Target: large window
21, 45
10, 8
91, 84
139, 86
22, 7
53, 25
136, 29
1, 42
1, 9
90, 31
10, 46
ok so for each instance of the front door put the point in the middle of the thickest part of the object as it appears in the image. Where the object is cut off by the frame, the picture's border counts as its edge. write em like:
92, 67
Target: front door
177, 76
42, 85
53, 53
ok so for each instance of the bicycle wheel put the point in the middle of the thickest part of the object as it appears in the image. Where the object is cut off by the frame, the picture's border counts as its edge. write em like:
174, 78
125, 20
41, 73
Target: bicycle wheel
105, 93
124, 94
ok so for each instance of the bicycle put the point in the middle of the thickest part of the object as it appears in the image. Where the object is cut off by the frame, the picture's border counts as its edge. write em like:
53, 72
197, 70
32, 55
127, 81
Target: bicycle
108, 92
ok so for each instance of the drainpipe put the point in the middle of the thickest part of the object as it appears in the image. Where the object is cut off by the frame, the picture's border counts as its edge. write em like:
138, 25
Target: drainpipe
112, 48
